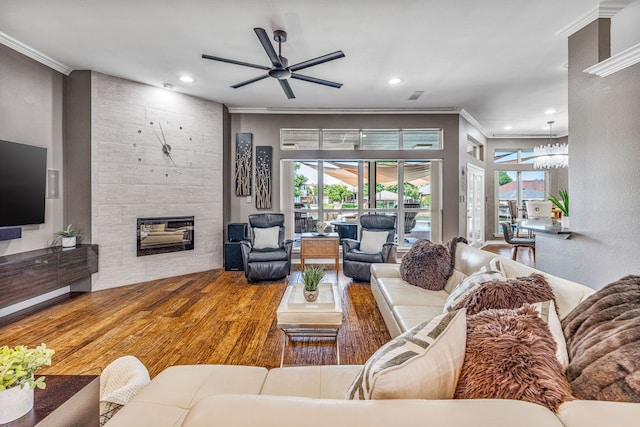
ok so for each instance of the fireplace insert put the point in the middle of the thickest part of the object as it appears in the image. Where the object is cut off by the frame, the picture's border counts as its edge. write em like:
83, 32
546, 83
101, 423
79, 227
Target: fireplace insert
166, 234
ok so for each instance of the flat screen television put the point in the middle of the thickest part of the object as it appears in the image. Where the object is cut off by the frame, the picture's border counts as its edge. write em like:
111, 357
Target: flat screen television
23, 184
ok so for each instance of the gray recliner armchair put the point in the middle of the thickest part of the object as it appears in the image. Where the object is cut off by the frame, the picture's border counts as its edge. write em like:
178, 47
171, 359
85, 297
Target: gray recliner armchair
356, 263
266, 255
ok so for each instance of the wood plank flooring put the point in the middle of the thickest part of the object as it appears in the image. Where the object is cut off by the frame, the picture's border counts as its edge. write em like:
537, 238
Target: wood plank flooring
211, 317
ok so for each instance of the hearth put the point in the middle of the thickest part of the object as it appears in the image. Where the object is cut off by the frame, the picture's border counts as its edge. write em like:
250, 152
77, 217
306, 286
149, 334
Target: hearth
165, 234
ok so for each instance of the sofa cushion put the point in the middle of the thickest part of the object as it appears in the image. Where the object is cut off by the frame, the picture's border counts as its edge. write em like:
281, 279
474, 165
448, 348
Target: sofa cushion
595, 413
399, 292
508, 293
491, 271
426, 265
320, 382
162, 403
361, 256
268, 255
456, 278
408, 316
372, 241
422, 363
266, 238
603, 339
469, 259
510, 354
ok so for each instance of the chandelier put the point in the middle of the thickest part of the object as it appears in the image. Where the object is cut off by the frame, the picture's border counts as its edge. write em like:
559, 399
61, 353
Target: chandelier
551, 155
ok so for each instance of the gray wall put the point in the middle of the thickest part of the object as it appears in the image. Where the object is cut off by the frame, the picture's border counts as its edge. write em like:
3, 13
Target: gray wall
604, 176
266, 131
77, 153
31, 100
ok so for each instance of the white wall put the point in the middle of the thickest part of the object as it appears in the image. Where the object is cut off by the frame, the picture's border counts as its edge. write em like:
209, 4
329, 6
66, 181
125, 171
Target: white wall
31, 98
131, 177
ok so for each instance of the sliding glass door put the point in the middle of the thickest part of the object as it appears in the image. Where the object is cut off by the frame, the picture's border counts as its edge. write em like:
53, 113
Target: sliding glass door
340, 191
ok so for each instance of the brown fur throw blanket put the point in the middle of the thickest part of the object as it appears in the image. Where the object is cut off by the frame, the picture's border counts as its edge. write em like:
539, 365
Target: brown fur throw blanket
603, 340
427, 265
510, 354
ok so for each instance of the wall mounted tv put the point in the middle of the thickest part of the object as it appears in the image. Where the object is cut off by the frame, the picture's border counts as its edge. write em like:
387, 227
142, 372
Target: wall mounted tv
23, 184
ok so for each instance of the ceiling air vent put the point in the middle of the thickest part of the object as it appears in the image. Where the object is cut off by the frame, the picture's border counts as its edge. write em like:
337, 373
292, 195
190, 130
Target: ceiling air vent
415, 95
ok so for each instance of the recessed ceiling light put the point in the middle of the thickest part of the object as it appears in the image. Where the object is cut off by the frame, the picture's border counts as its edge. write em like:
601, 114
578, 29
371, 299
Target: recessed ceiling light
395, 81
508, 127
167, 86
186, 79
550, 111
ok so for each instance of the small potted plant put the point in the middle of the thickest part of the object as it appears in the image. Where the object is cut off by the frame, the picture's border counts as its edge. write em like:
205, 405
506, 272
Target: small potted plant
311, 277
17, 380
562, 203
68, 236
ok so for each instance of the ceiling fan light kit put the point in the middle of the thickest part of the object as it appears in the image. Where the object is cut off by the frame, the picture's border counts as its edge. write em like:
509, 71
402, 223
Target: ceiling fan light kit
280, 69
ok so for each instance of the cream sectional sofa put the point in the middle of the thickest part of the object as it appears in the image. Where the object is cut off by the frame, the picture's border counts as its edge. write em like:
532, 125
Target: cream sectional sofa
313, 396
404, 306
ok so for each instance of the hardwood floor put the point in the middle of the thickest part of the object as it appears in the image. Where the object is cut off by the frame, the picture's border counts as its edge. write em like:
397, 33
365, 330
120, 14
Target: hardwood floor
525, 255
211, 317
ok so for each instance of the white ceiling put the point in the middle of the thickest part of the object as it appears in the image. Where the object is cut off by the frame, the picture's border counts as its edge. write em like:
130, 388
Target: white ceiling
500, 60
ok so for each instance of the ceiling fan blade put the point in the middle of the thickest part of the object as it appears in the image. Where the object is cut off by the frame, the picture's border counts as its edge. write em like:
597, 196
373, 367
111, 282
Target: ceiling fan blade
231, 61
256, 79
287, 89
319, 60
315, 80
268, 47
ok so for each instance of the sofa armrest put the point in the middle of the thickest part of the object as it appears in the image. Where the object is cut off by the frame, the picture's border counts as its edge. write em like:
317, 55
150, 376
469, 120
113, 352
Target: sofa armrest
349, 245
389, 252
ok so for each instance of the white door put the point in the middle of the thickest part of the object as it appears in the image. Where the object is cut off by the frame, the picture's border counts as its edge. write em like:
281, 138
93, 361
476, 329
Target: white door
475, 205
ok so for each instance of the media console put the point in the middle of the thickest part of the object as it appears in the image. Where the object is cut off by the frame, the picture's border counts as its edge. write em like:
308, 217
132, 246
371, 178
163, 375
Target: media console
30, 274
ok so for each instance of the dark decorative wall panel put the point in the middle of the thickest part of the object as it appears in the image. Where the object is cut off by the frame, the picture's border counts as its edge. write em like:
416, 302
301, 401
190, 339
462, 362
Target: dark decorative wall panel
264, 156
244, 151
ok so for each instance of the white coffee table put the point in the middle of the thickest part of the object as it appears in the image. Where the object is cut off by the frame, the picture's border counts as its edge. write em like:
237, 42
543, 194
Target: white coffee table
299, 318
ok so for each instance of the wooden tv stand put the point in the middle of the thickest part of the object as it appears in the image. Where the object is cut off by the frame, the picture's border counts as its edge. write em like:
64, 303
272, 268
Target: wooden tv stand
30, 274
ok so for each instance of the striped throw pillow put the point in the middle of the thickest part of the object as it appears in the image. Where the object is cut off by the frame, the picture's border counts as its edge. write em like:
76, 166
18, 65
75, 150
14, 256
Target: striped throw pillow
547, 311
491, 271
423, 363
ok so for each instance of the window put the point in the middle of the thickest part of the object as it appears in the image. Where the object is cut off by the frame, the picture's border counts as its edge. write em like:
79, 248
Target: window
299, 139
475, 149
513, 156
341, 190
513, 190
340, 139
356, 139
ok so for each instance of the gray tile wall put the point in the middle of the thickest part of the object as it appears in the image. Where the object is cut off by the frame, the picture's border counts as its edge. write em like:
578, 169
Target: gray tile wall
132, 178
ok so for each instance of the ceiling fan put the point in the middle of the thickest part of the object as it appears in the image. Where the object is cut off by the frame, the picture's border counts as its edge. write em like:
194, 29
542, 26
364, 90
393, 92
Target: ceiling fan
281, 69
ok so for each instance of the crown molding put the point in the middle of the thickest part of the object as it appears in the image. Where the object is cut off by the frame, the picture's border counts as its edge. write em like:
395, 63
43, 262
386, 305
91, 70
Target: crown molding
605, 9
617, 62
34, 54
303, 110
468, 117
